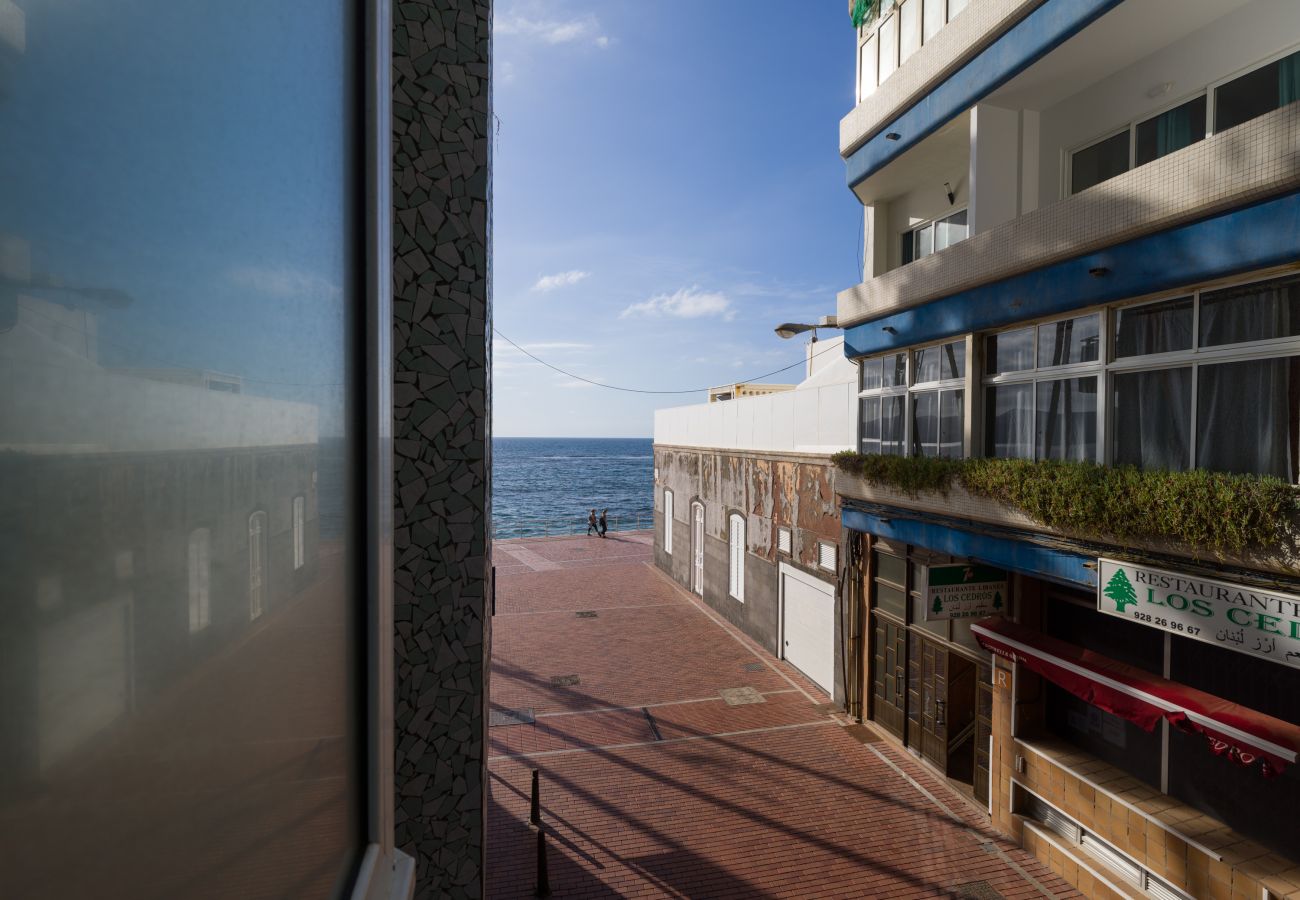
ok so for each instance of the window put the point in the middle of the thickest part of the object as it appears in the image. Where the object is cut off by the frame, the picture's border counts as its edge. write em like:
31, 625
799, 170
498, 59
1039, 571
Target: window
668, 522
938, 400
1099, 162
1172, 130
932, 16
934, 236
867, 69
887, 37
1032, 408
299, 535
1258, 92
883, 404
909, 28
200, 579
736, 545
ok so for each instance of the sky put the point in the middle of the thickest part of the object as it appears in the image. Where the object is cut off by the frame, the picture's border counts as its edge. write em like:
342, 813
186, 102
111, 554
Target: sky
667, 189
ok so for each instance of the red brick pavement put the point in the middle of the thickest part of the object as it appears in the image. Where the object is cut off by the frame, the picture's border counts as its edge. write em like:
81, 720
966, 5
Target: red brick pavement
771, 799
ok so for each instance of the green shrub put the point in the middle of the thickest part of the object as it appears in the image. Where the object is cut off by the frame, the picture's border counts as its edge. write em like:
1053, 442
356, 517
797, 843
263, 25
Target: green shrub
1225, 514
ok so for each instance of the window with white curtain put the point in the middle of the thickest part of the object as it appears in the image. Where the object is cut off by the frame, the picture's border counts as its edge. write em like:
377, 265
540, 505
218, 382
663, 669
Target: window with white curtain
736, 545
668, 522
200, 579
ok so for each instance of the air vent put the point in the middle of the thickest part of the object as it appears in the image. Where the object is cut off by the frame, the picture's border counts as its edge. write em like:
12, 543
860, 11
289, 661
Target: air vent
826, 555
1157, 887
784, 541
1113, 858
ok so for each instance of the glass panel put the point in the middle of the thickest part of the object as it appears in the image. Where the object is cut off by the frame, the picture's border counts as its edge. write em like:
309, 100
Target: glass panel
1153, 419
1155, 328
1251, 312
895, 372
179, 244
1095, 164
1069, 341
909, 24
892, 421
946, 361
908, 247
1067, 419
950, 230
888, 37
1247, 417
870, 425
932, 18
1173, 130
867, 79
1010, 351
951, 423
1009, 421
891, 568
924, 240
891, 599
1257, 93
925, 424
870, 374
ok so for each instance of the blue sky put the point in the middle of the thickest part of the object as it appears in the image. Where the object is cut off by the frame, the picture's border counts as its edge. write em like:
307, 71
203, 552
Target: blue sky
667, 189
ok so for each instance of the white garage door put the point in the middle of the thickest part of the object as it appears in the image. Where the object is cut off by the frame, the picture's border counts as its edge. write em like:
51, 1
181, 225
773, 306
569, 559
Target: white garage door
808, 625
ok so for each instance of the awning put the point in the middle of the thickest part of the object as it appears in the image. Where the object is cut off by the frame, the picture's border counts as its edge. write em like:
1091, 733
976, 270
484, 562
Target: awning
1242, 734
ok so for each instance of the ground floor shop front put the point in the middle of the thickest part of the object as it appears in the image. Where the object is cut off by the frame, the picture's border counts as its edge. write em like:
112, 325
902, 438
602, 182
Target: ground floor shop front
1133, 724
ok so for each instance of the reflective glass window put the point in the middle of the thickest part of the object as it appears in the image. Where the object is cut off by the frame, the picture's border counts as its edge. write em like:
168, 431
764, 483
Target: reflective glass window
893, 421
1154, 328
1009, 421
1069, 341
1251, 312
1248, 417
1171, 130
1256, 93
1152, 423
1066, 419
1010, 351
870, 374
1100, 162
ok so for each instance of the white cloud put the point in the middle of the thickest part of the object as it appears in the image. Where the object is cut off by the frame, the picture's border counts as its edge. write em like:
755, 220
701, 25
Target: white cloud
688, 303
551, 31
560, 279
283, 282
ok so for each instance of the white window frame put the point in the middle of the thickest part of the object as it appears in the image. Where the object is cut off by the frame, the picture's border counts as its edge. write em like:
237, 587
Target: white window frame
668, 521
1046, 374
940, 386
881, 393
1245, 70
736, 556
869, 34
299, 532
930, 223
199, 578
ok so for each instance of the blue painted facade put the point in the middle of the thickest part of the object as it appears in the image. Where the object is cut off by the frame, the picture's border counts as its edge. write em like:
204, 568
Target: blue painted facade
1028, 41
1254, 237
1005, 553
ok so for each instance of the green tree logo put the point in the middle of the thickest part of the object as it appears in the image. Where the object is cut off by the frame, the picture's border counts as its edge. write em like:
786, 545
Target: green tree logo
1120, 589
997, 599
938, 605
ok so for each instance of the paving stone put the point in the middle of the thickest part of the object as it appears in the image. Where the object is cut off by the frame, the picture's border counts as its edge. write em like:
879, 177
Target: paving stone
741, 695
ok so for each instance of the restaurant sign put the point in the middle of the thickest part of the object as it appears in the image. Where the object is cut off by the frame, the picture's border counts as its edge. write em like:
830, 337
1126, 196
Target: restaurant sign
964, 591
1261, 623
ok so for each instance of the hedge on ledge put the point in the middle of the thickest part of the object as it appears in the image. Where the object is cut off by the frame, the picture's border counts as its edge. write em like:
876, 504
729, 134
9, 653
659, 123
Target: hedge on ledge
1226, 514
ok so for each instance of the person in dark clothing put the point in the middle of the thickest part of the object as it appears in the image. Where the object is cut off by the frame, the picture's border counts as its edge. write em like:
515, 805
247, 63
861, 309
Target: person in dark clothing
591, 523
604, 525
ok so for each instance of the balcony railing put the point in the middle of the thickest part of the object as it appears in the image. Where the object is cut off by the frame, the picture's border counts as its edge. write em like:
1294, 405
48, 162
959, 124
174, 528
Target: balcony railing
516, 528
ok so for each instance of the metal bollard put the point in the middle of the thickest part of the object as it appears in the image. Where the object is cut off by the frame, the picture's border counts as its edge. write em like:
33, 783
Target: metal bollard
535, 815
543, 876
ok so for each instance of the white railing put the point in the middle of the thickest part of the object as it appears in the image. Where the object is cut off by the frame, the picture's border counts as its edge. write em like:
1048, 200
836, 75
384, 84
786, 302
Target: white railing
515, 528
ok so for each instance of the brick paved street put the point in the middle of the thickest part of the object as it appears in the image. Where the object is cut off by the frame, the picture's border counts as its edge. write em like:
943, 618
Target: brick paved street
653, 786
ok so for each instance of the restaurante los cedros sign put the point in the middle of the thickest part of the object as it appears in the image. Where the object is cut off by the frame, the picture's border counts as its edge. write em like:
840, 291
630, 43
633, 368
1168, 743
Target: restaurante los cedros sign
1264, 624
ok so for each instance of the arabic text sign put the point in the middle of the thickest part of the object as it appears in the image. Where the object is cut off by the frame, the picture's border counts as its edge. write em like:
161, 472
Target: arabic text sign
964, 591
1262, 623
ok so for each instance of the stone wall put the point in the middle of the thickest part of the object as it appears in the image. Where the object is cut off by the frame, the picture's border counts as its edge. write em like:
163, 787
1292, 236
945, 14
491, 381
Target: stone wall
442, 554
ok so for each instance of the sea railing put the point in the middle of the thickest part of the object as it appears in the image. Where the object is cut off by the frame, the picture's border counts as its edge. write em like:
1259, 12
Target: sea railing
577, 524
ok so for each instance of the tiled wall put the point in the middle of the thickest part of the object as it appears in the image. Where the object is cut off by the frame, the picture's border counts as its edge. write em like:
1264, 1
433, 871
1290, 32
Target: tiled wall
441, 130
1246, 164
978, 25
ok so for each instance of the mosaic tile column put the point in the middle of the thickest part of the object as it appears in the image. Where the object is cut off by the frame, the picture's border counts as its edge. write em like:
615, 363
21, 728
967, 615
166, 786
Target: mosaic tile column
441, 290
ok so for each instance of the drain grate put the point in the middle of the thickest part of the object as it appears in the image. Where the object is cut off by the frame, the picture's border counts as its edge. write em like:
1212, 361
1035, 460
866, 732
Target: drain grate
741, 696
586, 614
564, 680
975, 890
753, 667
522, 716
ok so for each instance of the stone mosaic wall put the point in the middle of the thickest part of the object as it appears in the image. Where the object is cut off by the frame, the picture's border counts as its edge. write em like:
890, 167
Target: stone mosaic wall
441, 239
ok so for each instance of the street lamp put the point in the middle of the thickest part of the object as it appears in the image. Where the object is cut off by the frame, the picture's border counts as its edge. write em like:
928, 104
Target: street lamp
788, 330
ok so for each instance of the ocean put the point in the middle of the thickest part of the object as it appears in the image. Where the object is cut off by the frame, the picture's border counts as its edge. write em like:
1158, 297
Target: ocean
546, 485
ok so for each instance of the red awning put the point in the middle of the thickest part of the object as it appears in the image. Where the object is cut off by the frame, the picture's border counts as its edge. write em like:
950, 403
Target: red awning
1242, 734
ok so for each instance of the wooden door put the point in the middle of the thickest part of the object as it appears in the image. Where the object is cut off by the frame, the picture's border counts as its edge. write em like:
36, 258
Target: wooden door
927, 694
889, 674
697, 548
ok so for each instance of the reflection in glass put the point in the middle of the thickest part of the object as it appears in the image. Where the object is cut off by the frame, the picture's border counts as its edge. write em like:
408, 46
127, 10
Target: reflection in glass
1067, 419
1154, 328
1069, 341
1153, 419
870, 425
870, 374
1009, 425
943, 362
1010, 351
909, 24
925, 423
895, 370
1100, 162
178, 632
1251, 312
1172, 130
1256, 93
952, 423
1256, 437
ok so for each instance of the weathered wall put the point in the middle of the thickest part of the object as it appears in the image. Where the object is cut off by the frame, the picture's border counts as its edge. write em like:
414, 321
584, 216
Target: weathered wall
772, 490
441, 127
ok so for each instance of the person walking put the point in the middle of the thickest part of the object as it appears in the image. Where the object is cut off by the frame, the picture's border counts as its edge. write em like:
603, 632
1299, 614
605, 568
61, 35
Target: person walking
604, 523
591, 523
